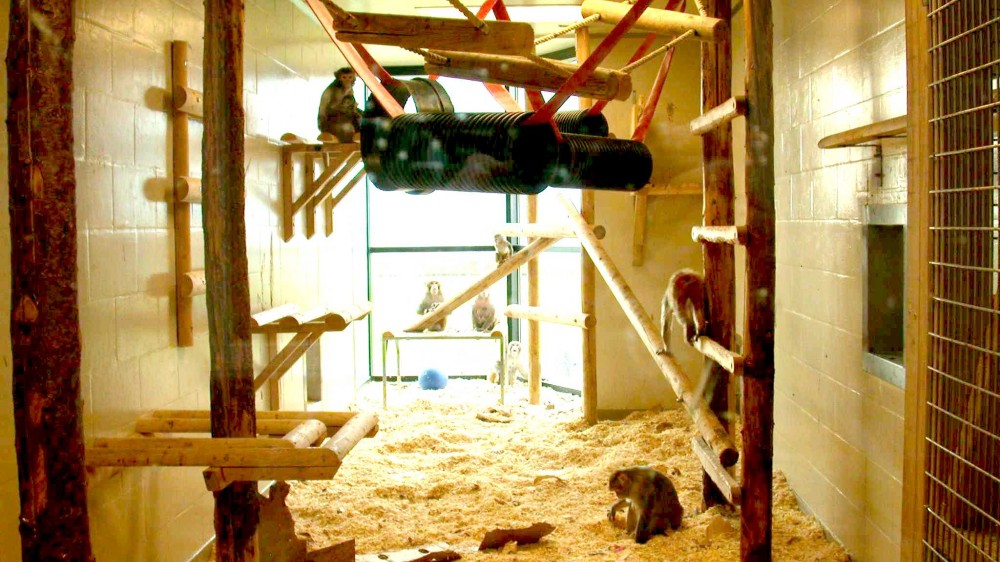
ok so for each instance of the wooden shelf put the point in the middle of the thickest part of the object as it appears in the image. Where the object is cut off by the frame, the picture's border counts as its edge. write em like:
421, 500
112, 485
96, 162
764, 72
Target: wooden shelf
888, 128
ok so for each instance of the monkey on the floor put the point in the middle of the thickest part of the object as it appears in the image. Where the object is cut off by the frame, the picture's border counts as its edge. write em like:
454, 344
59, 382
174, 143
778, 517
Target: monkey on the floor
653, 506
504, 249
514, 366
684, 299
483, 313
432, 296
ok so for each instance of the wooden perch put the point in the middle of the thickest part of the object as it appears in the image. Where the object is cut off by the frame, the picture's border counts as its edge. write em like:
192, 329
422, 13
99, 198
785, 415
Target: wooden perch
879, 130
579, 320
270, 315
719, 115
189, 101
420, 32
357, 428
287, 319
704, 419
194, 283
268, 422
506, 268
287, 357
300, 437
526, 230
720, 234
532, 73
210, 454
666, 22
187, 190
718, 353
723, 480
321, 187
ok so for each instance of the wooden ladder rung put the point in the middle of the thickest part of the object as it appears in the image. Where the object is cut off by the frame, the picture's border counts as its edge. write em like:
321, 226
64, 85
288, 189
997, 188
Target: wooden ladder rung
272, 315
720, 115
358, 427
189, 101
193, 283
723, 480
187, 189
720, 234
716, 352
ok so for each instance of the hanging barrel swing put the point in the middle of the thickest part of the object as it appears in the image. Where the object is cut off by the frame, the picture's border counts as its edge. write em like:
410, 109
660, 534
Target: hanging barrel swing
497, 153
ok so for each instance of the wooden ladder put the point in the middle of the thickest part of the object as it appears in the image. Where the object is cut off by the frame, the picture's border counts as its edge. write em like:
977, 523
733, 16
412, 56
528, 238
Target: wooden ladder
719, 235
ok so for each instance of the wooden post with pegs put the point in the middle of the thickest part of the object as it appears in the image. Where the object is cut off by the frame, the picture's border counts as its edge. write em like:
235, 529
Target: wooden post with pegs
588, 275
182, 207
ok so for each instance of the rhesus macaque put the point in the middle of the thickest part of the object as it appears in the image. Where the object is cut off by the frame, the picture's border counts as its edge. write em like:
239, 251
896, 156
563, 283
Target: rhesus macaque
514, 366
483, 313
685, 300
653, 506
431, 297
504, 249
338, 112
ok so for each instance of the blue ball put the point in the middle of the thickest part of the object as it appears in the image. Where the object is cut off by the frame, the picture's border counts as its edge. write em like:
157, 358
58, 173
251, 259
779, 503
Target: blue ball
432, 379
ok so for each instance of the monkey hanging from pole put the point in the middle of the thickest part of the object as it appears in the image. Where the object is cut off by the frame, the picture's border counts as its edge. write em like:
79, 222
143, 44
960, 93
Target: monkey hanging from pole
684, 299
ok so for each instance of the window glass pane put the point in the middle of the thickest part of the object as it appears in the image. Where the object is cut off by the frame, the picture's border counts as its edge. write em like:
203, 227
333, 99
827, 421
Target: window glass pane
398, 286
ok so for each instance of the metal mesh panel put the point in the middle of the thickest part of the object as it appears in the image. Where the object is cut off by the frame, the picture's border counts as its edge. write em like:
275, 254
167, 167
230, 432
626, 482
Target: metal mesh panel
962, 470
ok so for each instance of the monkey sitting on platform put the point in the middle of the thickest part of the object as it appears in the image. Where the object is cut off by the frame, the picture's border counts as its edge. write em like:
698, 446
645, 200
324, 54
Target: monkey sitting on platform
433, 299
653, 506
685, 300
483, 313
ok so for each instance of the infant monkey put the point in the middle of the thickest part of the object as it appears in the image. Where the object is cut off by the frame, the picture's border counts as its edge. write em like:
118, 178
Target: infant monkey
652, 501
684, 299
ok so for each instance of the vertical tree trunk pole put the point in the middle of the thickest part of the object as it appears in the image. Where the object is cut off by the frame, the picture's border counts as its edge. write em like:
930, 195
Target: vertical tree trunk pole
588, 275
44, 324
718, 210
228, 297
758, 380
534, 336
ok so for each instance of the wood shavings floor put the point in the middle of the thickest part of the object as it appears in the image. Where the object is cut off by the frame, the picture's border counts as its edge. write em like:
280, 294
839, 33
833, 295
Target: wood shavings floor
435, 473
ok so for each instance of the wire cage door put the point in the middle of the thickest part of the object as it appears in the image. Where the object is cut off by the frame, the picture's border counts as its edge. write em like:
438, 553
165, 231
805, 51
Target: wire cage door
962, 461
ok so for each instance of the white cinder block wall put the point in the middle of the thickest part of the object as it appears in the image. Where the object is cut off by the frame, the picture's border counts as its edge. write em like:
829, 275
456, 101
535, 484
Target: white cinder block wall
131, 363
838, 64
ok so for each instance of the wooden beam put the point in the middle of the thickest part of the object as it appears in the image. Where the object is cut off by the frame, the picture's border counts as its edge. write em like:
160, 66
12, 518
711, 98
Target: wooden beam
535, 314
187, 190
332, 419
640, 202
917, 287
275, 314
724, 481
732, 235
531, 230
211, 456
758, 347
223, 207
588, 276
182, 209
448, 34
878, 130
357, 428
660, 190
192, 443
666, 22
704, 419
287, 357
520, 258
193, 283
265, 426
42, 279
726, 359
534, 327
302, 436
719, 115
188, 101
221, 477
524, 72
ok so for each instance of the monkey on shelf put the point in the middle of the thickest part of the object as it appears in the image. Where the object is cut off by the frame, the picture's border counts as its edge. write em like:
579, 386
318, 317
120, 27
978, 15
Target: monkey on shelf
483, 313
338, 112
651, 499
432, 300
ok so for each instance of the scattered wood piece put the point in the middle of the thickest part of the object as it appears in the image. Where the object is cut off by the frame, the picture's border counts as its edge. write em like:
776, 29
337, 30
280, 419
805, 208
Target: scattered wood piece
343, 552
543, 477
276, 532
509, 548
437, 552
717, 528
496, 415
528, 535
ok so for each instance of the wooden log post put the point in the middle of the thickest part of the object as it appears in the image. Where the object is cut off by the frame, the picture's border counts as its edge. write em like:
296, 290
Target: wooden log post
668, 22
758, 381
704, 419
534, 326
182, 209
224, 201
450, 34
535, 314
588, 274
44, 326
718, 210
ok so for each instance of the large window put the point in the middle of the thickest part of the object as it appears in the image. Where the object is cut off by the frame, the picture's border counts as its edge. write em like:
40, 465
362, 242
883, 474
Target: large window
448, 237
